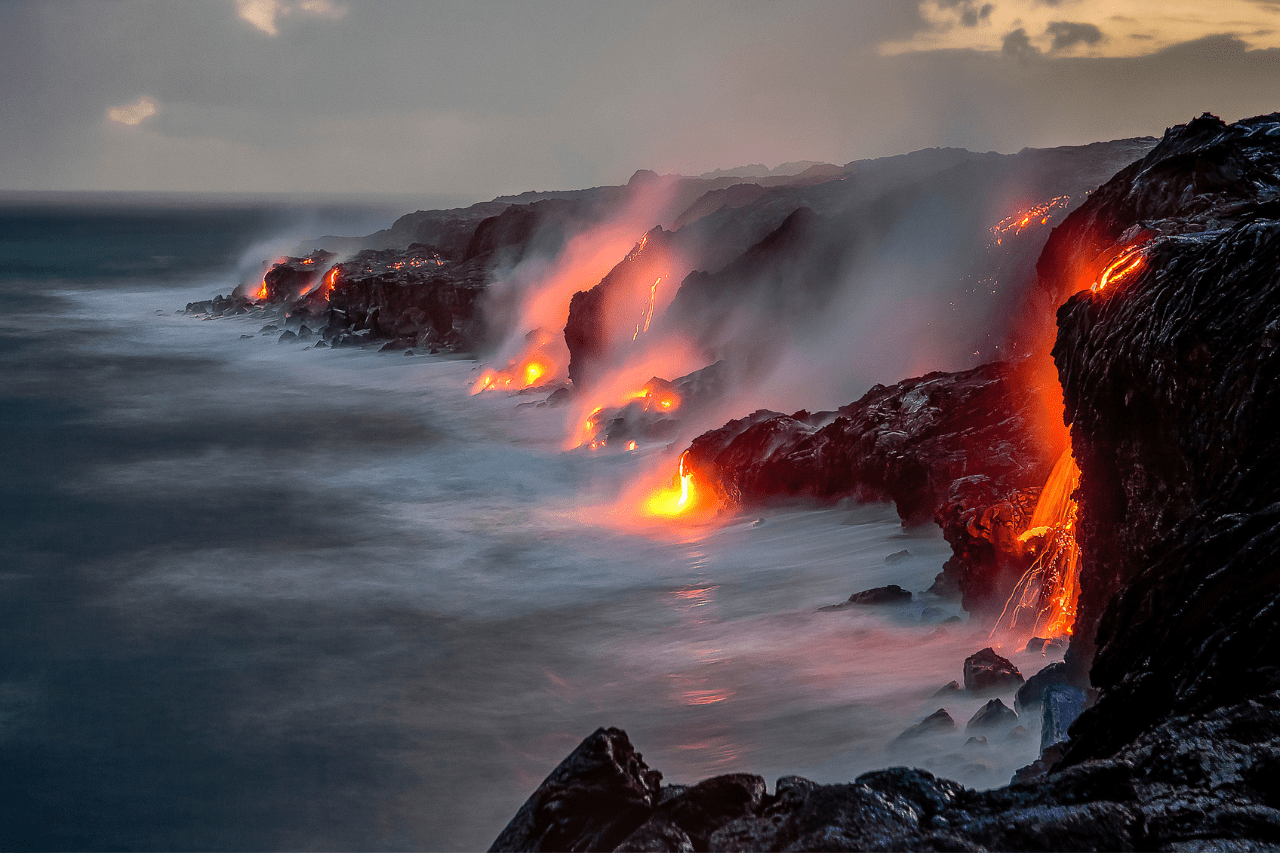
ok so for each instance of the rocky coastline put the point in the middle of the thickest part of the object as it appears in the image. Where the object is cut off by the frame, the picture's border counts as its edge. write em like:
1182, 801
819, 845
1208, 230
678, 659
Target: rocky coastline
1168, 364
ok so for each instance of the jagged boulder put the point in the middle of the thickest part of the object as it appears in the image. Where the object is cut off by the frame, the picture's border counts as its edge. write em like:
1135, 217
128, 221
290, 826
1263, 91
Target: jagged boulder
938, 721
993, 715
601, 793
987, 672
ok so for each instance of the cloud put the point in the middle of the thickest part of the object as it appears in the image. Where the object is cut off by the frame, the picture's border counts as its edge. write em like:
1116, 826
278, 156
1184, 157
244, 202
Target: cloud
133, 114
1017, 45
954, 25
1067, 34
264, 14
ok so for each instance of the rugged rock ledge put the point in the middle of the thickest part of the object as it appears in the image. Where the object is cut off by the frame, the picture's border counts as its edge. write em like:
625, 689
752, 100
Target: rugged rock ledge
1170, 383
957, 448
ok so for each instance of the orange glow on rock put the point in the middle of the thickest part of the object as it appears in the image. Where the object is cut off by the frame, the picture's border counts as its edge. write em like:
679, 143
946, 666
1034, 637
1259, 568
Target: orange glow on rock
328, 282
1130, 262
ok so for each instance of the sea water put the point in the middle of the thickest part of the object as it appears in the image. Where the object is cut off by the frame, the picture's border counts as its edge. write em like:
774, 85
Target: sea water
262, 595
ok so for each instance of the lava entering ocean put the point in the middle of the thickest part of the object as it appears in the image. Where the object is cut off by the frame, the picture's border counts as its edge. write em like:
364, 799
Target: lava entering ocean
1043, 603
682, 498
539, 362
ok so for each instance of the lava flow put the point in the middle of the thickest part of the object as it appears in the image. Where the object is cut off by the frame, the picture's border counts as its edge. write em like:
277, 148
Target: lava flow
679, 498
1044, 600
1039, 214
657, 398
327, 283
535, 365
1129, 262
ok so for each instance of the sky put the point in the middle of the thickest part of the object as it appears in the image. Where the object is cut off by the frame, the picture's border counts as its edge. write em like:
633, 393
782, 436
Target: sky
474, 99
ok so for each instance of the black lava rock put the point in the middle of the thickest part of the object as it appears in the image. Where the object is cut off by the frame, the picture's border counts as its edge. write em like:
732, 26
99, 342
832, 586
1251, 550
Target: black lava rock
987, 672
993, 715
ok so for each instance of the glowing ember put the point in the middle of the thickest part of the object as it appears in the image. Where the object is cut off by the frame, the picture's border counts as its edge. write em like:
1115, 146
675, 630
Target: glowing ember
1044, 600
1130, 261
1019, 222
676, 499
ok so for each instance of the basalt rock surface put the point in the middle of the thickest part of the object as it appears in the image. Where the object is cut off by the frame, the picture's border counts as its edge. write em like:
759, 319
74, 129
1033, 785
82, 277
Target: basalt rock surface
1170, 378
958, 448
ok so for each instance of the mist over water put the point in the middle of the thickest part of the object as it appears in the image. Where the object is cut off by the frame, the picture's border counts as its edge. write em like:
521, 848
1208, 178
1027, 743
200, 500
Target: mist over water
264, 596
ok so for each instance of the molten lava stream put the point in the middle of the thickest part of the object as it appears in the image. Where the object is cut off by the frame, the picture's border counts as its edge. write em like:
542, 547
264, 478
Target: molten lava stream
682, 498
1043, 603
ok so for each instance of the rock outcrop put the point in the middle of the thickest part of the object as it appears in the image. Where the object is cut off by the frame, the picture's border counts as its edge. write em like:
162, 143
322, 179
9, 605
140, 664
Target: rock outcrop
1170, 378
958, 448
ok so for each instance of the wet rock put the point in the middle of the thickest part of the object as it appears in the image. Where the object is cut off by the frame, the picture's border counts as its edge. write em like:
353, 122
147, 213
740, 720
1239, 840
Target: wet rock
938, 721
993, 715
891, 594
559, 397
987, 672
600, 794
947, 689
698, 812
1061, 705
1030, 695
246, 337
287, 337
956, 448
897, 557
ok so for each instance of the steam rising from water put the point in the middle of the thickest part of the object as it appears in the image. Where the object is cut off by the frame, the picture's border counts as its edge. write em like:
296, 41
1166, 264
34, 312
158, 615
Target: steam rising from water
335, 601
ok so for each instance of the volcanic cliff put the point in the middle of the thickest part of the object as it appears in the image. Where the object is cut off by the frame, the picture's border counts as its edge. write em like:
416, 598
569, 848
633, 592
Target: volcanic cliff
1169, 372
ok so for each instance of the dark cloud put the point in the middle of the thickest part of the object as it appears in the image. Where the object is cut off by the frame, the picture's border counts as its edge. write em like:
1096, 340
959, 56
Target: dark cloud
1017, 45
478, 99
972, 12
1069, 33
972, 15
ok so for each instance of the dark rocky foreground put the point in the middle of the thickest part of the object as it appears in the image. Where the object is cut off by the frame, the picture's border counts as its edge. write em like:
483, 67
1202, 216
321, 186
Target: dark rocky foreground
1169, 375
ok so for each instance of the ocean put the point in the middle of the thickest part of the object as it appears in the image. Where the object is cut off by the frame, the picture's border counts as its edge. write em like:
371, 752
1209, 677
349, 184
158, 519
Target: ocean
265, 596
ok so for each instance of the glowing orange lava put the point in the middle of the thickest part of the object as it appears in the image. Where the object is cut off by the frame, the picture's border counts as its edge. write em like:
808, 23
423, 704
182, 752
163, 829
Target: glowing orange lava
1021, 221
518, 374
327, 283
1130, 261
655, 396
676, 499
653, 296
1044, 601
